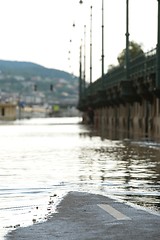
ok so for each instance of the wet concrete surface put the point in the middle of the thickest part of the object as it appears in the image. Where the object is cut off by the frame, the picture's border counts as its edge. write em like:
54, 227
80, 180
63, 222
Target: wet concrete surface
85, 216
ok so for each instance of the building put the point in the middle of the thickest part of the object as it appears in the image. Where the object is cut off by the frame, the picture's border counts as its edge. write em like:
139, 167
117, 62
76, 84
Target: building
7, 111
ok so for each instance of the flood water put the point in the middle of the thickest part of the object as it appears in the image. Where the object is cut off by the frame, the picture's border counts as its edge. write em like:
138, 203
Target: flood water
42, 159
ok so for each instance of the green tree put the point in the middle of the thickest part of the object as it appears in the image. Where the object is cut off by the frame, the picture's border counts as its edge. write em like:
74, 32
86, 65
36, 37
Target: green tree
135, 50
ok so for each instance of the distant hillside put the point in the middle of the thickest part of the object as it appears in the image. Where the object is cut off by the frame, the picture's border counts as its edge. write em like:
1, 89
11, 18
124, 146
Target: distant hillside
30, 69
31, 80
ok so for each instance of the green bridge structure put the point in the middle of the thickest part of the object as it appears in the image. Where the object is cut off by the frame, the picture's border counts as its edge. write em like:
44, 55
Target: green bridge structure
127, 97
114, 88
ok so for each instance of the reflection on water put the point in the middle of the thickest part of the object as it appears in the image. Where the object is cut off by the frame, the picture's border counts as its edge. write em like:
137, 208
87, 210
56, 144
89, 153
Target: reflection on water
42, 159
127, 169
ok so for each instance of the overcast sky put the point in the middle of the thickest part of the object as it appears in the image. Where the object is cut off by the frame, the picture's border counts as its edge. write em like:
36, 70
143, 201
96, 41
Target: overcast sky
41, 31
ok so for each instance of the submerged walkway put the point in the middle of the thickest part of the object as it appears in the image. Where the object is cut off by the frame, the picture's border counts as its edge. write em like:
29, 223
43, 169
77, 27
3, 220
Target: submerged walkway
84, 216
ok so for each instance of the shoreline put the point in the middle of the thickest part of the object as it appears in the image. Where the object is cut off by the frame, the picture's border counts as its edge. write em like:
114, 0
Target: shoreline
36, 216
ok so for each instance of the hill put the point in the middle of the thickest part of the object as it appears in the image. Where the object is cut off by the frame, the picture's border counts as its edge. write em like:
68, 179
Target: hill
28, 69
33, 81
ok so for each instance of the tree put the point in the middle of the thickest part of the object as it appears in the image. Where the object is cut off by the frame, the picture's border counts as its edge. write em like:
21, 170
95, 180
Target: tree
135, 50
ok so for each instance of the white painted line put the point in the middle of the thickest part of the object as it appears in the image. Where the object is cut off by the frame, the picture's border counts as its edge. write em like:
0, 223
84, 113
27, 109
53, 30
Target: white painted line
113, 212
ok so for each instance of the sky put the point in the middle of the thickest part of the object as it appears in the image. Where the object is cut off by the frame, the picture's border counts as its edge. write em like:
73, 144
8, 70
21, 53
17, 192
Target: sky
42, 31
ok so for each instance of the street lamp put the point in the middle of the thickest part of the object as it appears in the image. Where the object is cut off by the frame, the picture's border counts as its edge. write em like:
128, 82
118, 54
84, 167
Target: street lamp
102, 42
127, 40
82, 83
84, 76
91, 47
158, 50
127, 60
80, 73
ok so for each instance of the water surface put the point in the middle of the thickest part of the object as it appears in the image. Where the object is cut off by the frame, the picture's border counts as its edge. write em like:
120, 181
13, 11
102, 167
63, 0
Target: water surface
42, 159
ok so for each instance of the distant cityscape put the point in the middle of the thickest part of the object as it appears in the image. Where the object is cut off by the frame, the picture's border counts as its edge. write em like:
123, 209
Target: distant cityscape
31, 86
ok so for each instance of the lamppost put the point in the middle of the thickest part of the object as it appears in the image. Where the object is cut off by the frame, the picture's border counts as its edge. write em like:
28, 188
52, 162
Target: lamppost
83, 83
127, 40
158, 50
84, 73
91, 46
80, 74
102, 42
127, 59
81, 87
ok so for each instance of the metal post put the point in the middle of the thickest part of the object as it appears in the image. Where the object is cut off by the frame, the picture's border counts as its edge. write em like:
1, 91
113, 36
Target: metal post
82, 82
127, 40
84, 75
80, 74
158, 50
91, 47
102, 42
127, 60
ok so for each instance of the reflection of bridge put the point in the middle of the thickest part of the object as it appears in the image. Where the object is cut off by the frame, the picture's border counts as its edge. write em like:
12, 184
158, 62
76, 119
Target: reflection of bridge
131, 105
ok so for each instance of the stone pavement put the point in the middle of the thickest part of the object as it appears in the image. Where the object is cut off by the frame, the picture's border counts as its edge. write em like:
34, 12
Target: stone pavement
84, 216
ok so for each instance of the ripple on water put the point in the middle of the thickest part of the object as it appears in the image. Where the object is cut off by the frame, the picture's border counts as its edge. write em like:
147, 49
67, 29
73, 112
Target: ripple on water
43, 157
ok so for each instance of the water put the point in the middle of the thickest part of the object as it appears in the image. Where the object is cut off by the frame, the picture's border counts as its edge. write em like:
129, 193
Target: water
42, 159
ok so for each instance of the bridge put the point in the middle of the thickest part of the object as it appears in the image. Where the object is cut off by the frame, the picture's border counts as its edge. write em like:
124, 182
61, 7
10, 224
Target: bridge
128, 96
114, 89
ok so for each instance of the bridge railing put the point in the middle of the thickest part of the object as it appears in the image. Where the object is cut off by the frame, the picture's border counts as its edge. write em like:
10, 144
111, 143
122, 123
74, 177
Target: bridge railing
151, 61
143, 65
139, 68
114, 76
